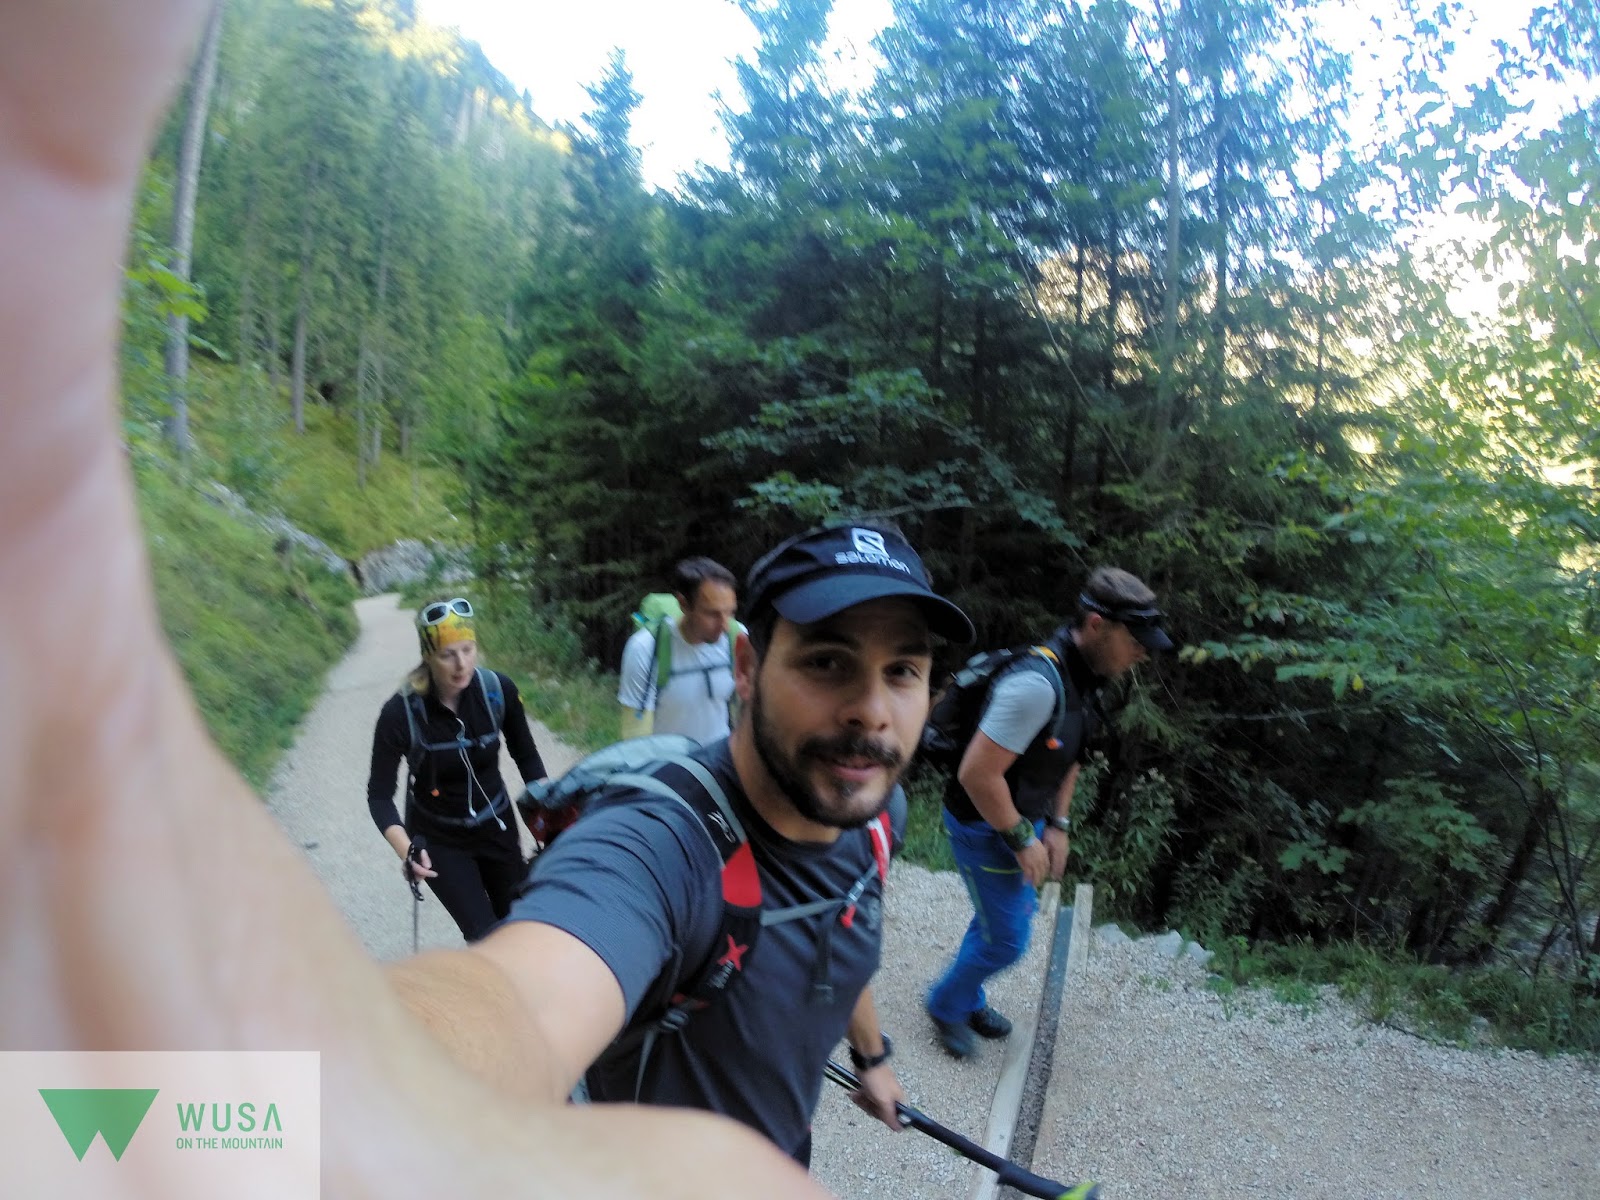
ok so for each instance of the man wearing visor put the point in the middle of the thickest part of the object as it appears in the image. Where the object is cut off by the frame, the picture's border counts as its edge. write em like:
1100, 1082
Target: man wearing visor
1008, 806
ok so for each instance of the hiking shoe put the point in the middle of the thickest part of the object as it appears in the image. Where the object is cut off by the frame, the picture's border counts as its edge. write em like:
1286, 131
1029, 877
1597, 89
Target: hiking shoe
987, 1023
955, 1038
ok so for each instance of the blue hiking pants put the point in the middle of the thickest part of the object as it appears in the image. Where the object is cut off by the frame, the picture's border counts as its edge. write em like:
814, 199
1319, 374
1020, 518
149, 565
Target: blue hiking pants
1003, 904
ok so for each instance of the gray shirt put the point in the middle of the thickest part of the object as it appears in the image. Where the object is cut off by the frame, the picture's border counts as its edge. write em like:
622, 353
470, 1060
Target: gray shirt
639, 882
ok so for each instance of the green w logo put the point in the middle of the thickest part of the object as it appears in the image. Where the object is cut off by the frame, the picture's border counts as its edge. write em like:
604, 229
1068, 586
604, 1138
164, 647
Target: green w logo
115, 1113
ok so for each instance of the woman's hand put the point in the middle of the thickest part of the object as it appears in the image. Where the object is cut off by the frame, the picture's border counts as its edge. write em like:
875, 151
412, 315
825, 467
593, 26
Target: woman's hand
416, 864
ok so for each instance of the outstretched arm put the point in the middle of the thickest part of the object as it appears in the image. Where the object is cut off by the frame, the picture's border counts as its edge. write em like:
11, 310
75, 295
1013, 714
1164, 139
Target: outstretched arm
226, 941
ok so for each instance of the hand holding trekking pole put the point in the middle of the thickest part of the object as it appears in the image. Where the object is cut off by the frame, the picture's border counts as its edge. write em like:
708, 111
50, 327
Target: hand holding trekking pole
1008, 1172
417, 865
880, 1095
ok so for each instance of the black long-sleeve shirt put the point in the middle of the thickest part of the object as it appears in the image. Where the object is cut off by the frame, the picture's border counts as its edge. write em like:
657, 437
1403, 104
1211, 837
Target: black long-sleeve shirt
442, 785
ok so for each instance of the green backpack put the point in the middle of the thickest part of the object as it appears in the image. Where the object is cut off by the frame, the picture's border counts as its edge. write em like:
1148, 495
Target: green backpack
653, 611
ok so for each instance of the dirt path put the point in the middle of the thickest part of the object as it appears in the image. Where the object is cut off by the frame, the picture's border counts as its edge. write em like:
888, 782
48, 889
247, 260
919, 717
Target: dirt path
319, 796
1162, 1089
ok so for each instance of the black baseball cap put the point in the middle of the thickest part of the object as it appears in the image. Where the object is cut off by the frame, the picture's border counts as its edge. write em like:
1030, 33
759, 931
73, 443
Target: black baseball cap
1144, 623
821, 572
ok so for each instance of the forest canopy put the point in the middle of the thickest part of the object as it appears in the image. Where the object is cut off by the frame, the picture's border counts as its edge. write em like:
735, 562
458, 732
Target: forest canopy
1148, 284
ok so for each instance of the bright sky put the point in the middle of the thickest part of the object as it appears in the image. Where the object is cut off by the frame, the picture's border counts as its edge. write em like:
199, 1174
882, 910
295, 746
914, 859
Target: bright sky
680, 53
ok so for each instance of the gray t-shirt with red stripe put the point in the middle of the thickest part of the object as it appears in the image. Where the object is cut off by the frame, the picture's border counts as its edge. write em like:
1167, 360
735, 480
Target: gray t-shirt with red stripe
639, 882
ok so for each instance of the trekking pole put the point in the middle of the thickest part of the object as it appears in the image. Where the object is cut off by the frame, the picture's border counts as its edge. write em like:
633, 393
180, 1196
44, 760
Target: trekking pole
1008, 1172
414, 858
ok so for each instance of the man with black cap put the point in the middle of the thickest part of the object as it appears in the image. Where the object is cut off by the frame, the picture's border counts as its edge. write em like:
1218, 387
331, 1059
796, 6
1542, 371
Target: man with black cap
1007, 806
625, 918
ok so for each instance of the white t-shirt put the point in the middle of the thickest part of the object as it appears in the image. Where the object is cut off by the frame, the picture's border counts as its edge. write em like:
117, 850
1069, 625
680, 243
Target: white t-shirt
694, 700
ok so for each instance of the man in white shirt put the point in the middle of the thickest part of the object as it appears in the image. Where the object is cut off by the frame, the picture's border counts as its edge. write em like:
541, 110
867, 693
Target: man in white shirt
691, 696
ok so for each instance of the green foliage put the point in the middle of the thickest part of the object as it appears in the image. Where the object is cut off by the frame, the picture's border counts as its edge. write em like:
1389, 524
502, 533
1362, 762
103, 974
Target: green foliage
244, 433
1502, 1005
926, 843
1064, 285
253, 626
372, 189
560, 686
1118, 838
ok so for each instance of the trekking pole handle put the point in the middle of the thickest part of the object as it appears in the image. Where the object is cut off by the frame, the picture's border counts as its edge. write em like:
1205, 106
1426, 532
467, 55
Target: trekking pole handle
1008, 1172
414, 858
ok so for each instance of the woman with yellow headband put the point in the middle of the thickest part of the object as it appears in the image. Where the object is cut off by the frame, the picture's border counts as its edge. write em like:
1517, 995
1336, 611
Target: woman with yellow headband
446, 722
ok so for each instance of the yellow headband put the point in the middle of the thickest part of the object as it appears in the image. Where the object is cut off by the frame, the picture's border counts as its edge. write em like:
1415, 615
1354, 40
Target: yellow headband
454, 628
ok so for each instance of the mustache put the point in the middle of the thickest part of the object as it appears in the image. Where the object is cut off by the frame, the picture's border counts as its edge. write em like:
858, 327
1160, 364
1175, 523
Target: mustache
852, 745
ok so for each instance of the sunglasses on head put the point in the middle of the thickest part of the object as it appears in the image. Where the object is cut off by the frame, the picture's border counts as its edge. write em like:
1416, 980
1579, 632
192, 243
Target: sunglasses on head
1127, 616
440, 609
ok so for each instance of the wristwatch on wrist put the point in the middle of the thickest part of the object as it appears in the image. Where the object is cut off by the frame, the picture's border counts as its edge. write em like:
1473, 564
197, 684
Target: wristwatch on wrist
1019, 835
1062, 823
865, 1062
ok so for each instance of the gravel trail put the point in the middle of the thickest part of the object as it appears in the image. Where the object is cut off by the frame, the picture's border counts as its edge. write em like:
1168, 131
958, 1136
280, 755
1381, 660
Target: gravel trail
1160, 1089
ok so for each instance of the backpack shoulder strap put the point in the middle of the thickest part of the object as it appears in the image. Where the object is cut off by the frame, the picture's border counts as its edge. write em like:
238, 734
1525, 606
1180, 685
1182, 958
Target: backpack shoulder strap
408, 701
1051, 668
740, 885
663, 656
1055, 675
495, 696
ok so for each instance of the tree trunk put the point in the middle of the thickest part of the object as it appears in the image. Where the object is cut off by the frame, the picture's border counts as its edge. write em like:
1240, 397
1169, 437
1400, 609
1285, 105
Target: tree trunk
190, 151
1219, 310
297, 389
275, 349
1077, 290
1322, 293
1165, 418
1108, 372
980, 397
361, 414
375, 359
1517, 868
302, 322
1069, 452
247, 330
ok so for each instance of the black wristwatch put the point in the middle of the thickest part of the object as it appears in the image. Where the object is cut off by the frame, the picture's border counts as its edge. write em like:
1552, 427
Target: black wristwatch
863, 1062
1062, 823
1019, 836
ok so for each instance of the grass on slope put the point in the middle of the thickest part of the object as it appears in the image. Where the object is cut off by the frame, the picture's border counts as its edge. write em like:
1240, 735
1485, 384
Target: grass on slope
311, 478
254, 629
